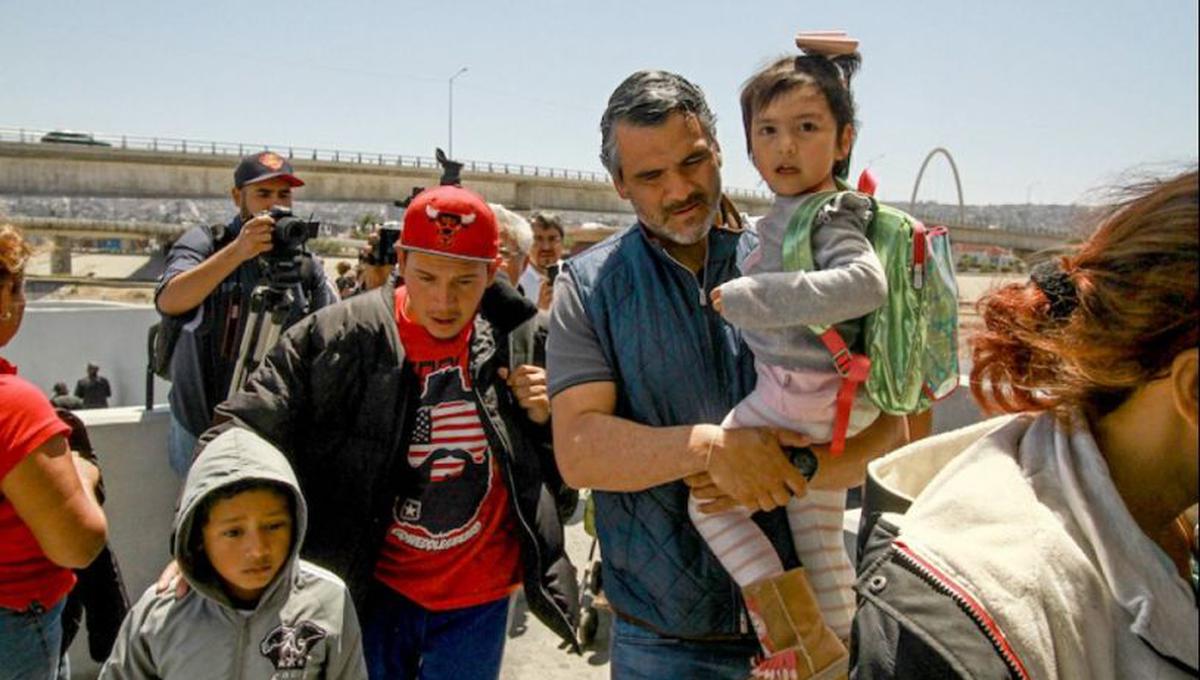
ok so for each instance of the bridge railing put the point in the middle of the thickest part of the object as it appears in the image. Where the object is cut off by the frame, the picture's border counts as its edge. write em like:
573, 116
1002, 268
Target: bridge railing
202, 147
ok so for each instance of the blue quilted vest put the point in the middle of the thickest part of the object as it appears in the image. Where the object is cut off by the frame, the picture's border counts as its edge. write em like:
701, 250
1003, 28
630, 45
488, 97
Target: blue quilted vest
676, 362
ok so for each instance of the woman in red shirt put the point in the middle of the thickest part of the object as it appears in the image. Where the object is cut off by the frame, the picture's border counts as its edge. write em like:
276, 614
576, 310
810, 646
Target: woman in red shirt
50, 521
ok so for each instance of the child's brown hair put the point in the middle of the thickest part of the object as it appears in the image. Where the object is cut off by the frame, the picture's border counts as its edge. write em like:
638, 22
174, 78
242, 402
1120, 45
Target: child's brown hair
830, 75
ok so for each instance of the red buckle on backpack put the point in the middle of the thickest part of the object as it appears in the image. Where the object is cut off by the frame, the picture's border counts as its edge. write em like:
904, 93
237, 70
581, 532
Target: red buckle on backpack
919, 253
842, 361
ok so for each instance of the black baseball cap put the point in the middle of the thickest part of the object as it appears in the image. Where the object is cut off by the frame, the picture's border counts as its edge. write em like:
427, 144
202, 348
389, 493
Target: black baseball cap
262, 166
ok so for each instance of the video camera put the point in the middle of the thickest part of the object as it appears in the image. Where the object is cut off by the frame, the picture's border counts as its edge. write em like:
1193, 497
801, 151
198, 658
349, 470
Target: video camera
290, 233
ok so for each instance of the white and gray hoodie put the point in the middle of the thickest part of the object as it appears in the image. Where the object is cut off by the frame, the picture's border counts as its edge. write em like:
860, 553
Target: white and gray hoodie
304, 625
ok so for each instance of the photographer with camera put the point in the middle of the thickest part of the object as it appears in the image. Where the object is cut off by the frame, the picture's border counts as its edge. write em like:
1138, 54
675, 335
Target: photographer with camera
205, 292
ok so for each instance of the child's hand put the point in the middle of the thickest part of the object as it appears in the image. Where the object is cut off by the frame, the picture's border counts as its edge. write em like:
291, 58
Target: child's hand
715, 295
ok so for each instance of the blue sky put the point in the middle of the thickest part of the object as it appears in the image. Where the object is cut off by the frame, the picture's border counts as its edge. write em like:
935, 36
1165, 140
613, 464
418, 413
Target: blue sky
1037, 101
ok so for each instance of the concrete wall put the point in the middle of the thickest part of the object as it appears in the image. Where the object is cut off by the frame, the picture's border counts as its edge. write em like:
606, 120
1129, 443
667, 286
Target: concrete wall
57, 339
141, 492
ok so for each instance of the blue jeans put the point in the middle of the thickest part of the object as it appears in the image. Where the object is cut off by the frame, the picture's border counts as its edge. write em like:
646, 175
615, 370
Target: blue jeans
402, 640
180, 444
30, 642
641, 654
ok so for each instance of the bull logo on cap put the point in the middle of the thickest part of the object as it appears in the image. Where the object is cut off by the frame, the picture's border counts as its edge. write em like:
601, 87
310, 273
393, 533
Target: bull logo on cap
448, 224
271, 160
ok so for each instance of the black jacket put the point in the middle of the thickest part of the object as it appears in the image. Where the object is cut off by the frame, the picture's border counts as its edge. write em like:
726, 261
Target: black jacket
911, 622
335, 396
99, 592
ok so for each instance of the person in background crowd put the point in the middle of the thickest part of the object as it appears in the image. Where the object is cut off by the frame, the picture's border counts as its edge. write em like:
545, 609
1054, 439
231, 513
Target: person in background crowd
346, 282
549, 238
93, 388
62, 398
1053, 542
516, 240
527, 342
50, 520
206, 289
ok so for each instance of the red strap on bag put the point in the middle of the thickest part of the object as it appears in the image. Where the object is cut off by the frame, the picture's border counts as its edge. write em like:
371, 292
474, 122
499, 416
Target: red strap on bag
854, 369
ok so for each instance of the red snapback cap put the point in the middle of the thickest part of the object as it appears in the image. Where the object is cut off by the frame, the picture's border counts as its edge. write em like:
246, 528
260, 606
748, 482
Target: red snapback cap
453, 222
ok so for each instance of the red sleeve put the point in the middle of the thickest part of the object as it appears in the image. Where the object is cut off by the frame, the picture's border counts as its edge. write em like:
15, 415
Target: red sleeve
27, 420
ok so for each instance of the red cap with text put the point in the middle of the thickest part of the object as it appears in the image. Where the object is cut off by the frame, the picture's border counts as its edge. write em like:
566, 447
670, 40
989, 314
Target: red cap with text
453, 222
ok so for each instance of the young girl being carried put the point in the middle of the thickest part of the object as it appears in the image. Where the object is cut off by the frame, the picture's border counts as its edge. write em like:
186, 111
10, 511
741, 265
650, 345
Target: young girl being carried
798, 115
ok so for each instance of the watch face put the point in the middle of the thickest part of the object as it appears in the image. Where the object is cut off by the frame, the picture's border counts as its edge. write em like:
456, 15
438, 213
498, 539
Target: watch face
803, 459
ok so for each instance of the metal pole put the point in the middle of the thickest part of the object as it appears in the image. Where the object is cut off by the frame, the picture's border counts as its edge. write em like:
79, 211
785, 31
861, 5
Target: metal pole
450, 112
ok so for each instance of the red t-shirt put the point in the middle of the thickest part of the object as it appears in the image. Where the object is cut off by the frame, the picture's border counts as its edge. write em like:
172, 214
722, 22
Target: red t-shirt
26, 422
453, 539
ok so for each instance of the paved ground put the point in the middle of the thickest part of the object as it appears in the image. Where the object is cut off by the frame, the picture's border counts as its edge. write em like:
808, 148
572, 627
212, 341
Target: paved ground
534, 652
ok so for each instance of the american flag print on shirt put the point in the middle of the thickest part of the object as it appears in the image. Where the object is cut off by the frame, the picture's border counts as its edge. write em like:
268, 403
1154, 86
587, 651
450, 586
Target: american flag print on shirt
448, 427
452, 425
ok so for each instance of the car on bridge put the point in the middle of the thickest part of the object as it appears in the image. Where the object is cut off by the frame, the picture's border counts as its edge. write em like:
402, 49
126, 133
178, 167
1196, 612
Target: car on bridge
68, 137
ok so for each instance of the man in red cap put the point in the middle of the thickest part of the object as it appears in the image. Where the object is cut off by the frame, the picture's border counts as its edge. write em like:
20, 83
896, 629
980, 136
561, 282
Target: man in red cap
424, 461
204, 296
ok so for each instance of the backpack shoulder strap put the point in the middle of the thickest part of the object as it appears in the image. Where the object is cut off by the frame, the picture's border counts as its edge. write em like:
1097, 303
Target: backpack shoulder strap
797, 238
219, 232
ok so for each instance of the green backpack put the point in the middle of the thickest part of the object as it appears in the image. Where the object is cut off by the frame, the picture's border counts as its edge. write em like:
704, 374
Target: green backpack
909, 346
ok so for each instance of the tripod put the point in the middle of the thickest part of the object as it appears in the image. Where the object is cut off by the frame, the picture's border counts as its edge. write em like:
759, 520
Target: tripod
270, 305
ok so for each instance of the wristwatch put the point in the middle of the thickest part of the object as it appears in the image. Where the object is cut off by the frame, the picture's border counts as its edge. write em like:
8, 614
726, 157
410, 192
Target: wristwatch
803, 459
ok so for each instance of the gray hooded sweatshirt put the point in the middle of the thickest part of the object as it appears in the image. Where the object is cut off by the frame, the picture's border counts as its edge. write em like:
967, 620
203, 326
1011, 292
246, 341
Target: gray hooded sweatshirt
304, 625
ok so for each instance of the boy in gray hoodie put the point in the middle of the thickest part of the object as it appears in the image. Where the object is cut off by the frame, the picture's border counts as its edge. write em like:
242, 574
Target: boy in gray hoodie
253, 609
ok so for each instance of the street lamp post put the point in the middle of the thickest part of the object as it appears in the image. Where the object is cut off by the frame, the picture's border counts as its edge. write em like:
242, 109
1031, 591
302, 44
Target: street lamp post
450, 121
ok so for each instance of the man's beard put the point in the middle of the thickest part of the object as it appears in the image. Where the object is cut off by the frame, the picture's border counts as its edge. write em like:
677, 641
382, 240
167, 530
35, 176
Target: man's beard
689, 238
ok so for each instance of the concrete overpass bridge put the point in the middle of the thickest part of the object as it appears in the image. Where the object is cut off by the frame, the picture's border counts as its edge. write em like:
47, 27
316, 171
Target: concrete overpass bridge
150, 167
147, 167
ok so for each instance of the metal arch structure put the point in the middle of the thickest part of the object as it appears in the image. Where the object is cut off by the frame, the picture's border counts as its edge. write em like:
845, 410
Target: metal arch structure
912, 202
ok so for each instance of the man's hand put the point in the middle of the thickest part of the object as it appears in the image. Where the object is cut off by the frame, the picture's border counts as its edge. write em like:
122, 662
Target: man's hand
747, 467
172, 577
528, 384
254, 238
849, 469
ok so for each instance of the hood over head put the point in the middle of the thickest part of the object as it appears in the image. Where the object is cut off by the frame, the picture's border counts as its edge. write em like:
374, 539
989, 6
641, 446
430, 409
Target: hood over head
234, 456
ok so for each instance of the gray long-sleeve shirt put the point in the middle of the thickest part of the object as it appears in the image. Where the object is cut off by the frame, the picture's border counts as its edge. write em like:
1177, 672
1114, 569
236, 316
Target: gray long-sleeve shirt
774, 307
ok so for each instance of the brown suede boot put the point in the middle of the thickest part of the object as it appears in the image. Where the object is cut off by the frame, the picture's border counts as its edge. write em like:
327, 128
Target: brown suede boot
788, 621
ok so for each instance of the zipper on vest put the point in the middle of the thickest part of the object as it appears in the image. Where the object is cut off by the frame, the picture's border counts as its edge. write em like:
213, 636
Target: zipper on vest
703, 299
942, 584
